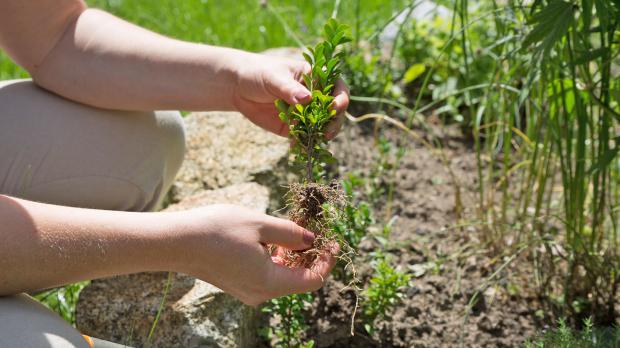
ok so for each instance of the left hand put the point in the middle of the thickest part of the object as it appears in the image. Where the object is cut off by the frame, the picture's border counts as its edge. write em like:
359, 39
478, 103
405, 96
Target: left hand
262, 79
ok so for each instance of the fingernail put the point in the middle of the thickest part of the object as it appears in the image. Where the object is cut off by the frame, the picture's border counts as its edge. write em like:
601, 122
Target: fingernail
301, 95
308, 237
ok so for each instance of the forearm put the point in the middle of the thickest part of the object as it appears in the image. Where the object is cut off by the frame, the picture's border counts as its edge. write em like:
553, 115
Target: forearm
44, 245
106, 62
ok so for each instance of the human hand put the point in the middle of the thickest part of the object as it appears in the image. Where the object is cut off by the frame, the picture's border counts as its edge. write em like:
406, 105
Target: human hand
262, 79
226, 245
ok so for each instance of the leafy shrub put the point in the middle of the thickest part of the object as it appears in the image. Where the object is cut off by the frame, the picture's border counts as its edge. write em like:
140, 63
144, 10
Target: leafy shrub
289, 310
384, 292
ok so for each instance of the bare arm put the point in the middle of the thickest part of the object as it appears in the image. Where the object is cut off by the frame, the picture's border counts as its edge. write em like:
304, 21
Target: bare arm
39, 249
97, 59
43, 246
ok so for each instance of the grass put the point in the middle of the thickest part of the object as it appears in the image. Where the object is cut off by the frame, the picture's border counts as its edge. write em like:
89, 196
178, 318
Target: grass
536, 87
565, 337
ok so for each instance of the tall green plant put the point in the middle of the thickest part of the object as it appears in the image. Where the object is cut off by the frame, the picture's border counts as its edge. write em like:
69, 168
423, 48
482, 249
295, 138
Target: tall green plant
548, 136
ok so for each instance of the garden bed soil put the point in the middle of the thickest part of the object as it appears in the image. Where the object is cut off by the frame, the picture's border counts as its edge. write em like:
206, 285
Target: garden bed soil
449, 264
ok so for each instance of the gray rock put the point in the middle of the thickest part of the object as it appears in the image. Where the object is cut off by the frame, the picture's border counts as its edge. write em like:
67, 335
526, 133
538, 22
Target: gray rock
196, 314
224, 148
248, 194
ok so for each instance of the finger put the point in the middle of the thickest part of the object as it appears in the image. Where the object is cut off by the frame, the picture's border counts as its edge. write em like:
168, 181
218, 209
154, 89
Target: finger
341, 97
279, 252
289, 89
277, 260
334, 126
299, 280
299, 69
285, 233
264, 115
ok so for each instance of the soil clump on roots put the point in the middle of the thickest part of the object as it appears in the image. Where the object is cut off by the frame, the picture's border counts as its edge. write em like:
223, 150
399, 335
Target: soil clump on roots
310, 208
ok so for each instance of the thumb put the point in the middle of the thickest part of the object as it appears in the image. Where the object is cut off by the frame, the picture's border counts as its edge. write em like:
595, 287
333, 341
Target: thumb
290, 91
285, 233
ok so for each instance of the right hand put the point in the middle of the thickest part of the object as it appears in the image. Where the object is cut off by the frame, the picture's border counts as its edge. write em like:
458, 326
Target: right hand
262, 79
225, 245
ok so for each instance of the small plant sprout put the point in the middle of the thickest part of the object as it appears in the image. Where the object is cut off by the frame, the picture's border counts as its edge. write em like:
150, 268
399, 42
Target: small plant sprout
314, 204
384, 292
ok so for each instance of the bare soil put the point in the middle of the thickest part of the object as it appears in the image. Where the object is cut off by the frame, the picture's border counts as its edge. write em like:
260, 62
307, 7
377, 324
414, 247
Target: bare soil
449, 264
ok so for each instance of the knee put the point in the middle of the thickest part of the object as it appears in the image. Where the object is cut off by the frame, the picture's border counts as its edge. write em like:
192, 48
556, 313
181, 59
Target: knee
171, 132
167, 135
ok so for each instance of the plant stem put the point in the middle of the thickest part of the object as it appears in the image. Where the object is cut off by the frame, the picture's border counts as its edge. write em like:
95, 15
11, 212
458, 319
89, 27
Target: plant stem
310, 162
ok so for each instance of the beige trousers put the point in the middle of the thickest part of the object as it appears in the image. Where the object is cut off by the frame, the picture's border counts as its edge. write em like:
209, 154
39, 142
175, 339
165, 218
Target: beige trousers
57, 151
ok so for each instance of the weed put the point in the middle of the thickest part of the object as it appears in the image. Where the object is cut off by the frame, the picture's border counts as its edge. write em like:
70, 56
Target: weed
289, 310
62, 300
357, 215
565, 337
384, 292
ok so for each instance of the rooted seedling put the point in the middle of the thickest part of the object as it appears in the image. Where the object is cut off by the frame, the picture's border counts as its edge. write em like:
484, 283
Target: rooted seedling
311, 202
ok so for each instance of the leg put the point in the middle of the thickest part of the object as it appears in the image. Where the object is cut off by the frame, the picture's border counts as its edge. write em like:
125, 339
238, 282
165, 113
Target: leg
56, 151
26, 323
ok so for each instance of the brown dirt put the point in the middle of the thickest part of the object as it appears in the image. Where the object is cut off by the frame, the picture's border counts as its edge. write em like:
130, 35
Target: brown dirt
449, 264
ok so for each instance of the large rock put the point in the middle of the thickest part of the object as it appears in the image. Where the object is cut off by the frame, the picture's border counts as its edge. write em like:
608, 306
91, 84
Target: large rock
224, 148
196, 314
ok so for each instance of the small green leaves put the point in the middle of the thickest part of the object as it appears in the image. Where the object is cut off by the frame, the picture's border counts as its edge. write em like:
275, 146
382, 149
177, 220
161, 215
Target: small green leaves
385, 290
281, 105
307, 123
414, 72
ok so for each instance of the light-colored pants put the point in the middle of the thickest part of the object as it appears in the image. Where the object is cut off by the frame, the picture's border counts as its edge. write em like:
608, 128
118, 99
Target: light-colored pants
57, 151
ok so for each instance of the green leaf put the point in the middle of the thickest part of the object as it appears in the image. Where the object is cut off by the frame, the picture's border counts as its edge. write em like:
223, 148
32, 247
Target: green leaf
606, 158
552, 23
283, 117
326, 157
413, 72
281, 105
307, 81
336, 39
590, 56
327, 89
307, 57
603, 11
586, 9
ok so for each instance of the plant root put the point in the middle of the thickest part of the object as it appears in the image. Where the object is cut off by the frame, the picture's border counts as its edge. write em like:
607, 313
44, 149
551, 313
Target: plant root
308, 204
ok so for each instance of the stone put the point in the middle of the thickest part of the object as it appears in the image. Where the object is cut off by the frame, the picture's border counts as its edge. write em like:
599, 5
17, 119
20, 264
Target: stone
224, 148
248, 194
196, 314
